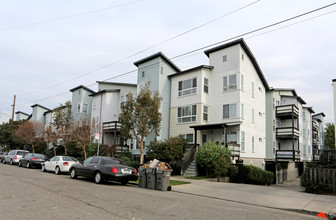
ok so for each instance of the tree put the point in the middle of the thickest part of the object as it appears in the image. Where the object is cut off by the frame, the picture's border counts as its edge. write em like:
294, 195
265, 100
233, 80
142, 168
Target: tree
83, 132
62, 121
329, 136
210, 152
29, 133
170, 150
51, 137
221, 166
7, 131
141, 117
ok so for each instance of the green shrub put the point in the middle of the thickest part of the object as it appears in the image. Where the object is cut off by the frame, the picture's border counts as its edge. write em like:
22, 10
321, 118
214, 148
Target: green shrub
170, 150
255, 175
221, 166
315, 186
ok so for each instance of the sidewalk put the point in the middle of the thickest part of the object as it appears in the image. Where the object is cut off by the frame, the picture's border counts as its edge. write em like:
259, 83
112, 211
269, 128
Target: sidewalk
288, 196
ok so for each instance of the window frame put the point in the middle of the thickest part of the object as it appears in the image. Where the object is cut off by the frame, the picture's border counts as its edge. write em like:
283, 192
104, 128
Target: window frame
181, 117
229, 111
206, 85
182, 91
205, 113
227, 86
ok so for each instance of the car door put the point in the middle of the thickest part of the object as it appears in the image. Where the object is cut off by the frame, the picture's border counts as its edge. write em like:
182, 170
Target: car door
25, 159
55, 163
92, 166
81, 168
47, 164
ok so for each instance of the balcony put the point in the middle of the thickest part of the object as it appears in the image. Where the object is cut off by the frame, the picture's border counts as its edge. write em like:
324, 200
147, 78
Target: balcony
287, 133
111, 127
315, 142
235, 149
288, 154
315, 126
287, 111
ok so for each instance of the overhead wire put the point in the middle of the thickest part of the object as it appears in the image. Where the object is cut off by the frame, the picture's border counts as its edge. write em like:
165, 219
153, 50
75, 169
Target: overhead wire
214, 44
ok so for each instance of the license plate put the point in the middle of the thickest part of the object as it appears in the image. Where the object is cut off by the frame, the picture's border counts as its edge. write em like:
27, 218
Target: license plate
126, 171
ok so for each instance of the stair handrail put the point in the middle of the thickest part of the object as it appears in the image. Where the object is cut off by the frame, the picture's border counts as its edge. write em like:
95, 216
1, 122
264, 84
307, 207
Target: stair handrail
188, 158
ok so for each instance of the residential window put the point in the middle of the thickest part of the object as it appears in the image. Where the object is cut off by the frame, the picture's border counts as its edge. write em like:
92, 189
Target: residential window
304, 116
252, 115
230, 111
161, 70
304, 133
85, 108
242, 141
273, 104
273, 125
252, 144
242, 82
242, 110
206, 85
232, 137
204, 138
277, 103
224, 58
189, 138
304, 149
186, 114
187, 87
205, 113
79, 108
242, 57
143, 73
122, 101
252, 89
230, 82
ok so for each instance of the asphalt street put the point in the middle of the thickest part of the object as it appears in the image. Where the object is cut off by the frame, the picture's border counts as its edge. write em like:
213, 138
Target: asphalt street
32, 194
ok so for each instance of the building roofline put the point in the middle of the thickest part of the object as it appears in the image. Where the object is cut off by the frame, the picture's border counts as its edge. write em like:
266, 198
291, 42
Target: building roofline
249, 53
40, 106
105, 91
21, 113
153, 56
285, 89
321, 113
297, 97
192, 69
310, 109
117, 83
81, 86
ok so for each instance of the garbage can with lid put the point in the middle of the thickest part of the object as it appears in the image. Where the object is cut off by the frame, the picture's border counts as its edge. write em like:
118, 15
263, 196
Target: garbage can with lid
142, 177
162, 180
151, 178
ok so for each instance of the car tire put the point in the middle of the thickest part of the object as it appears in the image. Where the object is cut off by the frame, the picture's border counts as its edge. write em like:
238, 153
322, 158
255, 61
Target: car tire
4, 161
20, 163
98, 177
57, 170
11, 162
73, 174
28, 165
124, 182
43, 168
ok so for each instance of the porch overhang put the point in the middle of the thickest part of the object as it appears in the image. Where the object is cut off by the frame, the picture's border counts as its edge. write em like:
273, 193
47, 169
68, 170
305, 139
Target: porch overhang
215, 126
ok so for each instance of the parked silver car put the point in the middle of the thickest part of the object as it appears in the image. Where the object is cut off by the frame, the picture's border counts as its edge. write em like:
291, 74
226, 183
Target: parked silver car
14, 156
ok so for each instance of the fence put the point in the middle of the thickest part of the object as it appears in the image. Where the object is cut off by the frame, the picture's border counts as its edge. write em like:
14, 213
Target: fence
323, 176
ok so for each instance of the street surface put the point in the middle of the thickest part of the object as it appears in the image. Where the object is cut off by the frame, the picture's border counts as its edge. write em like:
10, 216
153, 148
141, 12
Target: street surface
31, 194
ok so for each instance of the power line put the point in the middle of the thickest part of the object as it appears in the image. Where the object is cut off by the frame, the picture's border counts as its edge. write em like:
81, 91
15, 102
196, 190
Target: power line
151, 47
68, 16
214, 44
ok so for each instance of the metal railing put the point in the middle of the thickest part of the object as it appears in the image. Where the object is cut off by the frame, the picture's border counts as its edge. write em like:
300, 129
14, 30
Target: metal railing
288, 154
188, 158
235, 149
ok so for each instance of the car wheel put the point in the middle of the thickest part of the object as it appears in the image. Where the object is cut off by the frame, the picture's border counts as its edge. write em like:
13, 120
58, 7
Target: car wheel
98, 177
4, 161
11, 162
57, 170
124, 182
73, 174
43, 168
20, 164
28, 165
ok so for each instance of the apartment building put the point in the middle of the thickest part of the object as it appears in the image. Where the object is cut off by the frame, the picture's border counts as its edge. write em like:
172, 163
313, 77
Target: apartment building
81, 103
21, 116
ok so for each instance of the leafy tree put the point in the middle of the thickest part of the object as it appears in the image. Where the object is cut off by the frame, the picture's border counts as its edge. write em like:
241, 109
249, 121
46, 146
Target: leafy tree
29, 133
62, 121
141, 117
50, 136
329, 136
170, 150
221, 166
210, 152
7, 131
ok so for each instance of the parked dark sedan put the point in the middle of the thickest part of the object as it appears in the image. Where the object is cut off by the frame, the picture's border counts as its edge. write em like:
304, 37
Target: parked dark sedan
2, 156
32, 160
104, 169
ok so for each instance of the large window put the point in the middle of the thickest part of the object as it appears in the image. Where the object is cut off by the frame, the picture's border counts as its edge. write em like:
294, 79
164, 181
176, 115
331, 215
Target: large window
232, 137
187, 87
230, 82
205, 113
242, 110
242, 82
230, 111
242, 141
186, 114
189, 138
85, 108
206, 85
252, 144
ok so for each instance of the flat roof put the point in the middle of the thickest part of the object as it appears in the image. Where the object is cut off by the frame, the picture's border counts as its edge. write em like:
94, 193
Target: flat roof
117, 83
192, 69
215, 126
105, 91
249, 53
39, 106
285, 89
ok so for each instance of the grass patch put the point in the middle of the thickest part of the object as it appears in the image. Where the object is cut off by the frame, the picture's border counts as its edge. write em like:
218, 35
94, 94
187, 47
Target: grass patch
196, 177
177, 182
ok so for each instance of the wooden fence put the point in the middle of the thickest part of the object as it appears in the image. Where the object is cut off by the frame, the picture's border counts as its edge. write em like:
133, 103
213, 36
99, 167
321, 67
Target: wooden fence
322, 176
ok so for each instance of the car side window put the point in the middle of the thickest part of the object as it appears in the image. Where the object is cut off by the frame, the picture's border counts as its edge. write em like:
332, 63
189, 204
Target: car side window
95, 160
57, 159
87, 160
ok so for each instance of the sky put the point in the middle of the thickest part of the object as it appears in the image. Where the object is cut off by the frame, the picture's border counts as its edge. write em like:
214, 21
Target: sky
49, 47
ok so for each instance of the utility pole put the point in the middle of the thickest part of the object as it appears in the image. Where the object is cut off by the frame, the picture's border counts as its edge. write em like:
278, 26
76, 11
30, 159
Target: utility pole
13, 109
334, 88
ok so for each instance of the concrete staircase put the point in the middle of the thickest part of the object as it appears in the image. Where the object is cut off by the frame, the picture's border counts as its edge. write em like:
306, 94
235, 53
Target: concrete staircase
191, 170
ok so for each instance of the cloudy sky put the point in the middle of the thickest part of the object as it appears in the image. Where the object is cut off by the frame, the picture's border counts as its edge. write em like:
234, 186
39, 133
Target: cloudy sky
49, 47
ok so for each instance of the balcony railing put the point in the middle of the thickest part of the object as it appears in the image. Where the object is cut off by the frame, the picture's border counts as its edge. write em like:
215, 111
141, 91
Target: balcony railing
287, 133
315, 142
315, 126
288, 154
235, 149
112, 126
287, 111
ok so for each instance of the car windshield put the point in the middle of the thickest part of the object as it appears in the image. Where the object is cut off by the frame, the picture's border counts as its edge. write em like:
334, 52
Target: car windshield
108, 161
39, 156
69, 159
22, 153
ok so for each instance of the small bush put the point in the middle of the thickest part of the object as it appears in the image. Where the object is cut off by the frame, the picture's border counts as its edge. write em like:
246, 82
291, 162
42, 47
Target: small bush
255, 175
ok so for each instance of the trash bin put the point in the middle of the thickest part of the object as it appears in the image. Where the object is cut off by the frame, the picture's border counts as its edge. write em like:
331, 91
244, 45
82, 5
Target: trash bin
142, 177
162, 179
151, 178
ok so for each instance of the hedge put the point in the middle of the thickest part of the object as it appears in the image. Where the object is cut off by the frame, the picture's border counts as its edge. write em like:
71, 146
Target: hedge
255, 175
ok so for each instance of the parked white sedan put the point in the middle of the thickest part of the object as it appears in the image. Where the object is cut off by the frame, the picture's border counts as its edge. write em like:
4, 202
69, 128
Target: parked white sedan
59, 164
